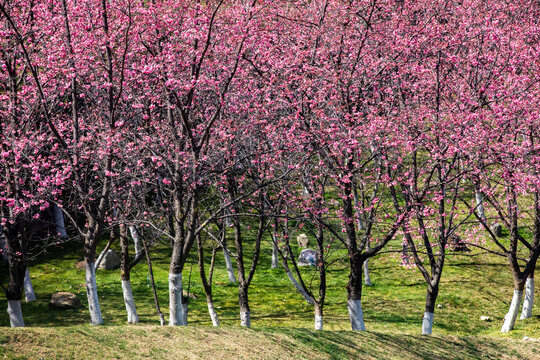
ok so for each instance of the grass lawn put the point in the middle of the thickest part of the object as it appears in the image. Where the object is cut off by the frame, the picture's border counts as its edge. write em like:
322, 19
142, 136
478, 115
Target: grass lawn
282, 322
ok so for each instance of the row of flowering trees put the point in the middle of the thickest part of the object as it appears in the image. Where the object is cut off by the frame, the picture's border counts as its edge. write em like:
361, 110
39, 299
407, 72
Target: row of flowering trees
362, 120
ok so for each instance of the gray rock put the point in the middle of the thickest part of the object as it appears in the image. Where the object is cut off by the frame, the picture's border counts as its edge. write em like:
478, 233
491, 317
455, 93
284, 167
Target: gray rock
529, 339
64, 300
303, 240
110, 261
439, 306
308, 257
496, 229
457, 244
485, 318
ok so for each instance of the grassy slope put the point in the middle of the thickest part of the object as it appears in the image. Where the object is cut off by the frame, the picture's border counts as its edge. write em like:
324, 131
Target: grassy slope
282, 322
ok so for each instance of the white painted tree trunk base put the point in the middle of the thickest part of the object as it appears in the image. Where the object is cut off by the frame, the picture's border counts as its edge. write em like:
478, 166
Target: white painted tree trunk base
367, 278
176, 310
136, 240
356, 315
480, 205
528, 301
131, 310
275, 257
14, 311
298, 287
318, 322
213, 314
427, 323
510, 319
185, 313
229, 265
245, 319
92, 295
29, 294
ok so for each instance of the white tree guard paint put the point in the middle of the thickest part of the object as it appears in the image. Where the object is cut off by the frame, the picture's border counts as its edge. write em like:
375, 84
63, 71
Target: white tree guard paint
213, 314
275, 256
59, 221
356, 315
245, 319
185, 312
229, 265
427, 323
176, 310
367, 278
15, 313
480, 205
528, 301
510, 318
92, 295
100, 257
130, 302
318, 322
29, 294
136, 240
298, 287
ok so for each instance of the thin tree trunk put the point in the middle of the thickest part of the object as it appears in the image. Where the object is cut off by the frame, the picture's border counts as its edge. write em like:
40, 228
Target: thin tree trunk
429, 313
318, 317
29, 294
59, 221
528, 301
207, 285
297, 286
151, 272
275, 256
480, 204
367, 278
125, 272
91, 292
511, 316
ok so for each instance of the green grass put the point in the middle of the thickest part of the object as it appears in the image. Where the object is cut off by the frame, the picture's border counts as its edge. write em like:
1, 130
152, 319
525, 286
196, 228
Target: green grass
471, 286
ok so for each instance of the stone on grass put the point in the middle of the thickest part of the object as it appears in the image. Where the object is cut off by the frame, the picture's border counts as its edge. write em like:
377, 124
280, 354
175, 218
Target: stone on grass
457, 244
303, 240
496, 229
308, 257
64, 300
110, 261
485, 318
439, 306
80, 264
529, 339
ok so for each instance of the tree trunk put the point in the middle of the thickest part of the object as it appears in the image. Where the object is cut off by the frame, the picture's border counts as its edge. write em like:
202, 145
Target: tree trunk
17, 267
245, 319
354, 300
212, 312
176, 310
275, 256
528, 301
298, 287
431, 298
511, 316
367, 278
136, 241
125, 272
59, 221
229, 265
130, 302
29, 294
15, 313
480, 205
318, 317
91, 292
